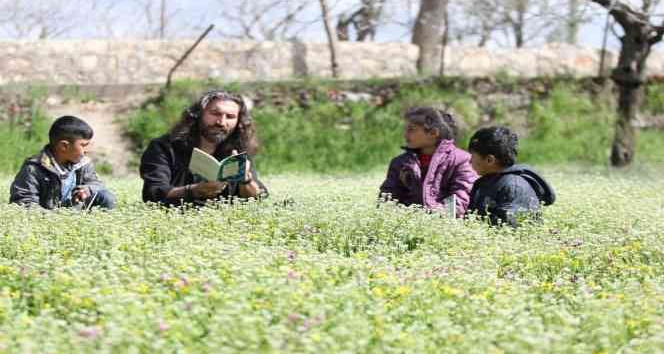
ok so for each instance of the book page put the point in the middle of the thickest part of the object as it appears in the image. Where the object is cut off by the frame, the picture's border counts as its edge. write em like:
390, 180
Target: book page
204, 165
232, 167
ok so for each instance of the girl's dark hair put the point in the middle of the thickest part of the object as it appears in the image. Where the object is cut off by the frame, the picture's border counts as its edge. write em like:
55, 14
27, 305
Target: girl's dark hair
188, 129
69, 128
497, 141
433, 119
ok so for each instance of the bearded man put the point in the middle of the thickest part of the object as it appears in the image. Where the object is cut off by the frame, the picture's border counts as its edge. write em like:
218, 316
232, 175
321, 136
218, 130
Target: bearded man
219, 124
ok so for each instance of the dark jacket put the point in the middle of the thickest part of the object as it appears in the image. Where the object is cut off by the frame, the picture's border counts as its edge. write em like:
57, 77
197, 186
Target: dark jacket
516, 192
449, 173
165, 165
39, 183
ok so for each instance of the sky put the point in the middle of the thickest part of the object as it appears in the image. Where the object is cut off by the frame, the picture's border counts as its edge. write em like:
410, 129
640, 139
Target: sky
78, 19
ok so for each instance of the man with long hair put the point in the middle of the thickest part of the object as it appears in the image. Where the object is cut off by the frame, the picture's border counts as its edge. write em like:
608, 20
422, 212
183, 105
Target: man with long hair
219, 124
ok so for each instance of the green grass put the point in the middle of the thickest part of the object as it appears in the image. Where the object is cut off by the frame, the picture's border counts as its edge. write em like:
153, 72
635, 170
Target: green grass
329, 138
24, 130
22, 138
568, 127
654, 98
650, 146
319, 268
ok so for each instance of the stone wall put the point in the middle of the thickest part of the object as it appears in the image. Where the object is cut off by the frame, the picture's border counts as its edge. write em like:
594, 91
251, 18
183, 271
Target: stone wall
106, 62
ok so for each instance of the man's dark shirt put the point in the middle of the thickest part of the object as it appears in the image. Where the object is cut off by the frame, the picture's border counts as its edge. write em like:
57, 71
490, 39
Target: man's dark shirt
165, 165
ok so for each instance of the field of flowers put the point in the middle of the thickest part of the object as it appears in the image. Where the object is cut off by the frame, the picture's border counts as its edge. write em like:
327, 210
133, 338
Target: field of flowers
320, 268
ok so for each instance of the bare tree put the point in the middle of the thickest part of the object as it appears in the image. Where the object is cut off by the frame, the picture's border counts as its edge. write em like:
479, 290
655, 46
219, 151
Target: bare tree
630, 73
427, 34
517, 22
478, 20
445, 41
162, 19
107, 16
568, 19
401, 14
266, 19
573, 21
158, 16
364, 20
526, 20
515, 18
331, 37
42, 20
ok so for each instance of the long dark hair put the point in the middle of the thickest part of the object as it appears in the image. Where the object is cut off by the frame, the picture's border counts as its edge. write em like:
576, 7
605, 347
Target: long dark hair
188, 129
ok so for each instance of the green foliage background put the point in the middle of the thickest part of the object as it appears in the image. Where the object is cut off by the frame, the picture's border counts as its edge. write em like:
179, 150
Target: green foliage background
565, 122
23, 134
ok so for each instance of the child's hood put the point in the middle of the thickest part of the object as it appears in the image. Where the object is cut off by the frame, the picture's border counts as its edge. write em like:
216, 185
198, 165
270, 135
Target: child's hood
542, 188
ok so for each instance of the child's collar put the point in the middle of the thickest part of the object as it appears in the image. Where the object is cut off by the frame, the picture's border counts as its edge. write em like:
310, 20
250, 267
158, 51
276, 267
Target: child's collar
48, 160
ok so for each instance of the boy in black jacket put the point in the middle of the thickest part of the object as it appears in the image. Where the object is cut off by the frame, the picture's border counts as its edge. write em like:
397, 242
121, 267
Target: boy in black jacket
61, 175
506, 192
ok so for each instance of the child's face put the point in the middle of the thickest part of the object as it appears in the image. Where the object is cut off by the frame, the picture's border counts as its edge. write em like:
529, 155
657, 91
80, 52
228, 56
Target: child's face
418, 138
484, 164
73, 151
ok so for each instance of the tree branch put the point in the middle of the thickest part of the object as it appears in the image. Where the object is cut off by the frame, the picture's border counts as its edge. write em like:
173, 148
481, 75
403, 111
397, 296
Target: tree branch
623, 13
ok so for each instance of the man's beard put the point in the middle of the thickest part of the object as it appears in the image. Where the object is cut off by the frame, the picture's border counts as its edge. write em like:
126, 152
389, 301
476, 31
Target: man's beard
213, 134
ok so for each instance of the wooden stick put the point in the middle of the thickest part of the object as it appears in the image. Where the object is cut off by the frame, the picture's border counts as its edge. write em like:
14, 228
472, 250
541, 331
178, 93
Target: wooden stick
186, 54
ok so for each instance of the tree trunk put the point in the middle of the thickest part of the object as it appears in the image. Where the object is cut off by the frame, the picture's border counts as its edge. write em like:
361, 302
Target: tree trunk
445, 41
520, 23
485, 35
427, 33
629, 76
162, 20
342, 28
331, 38
518, 36
624, 141
572, 21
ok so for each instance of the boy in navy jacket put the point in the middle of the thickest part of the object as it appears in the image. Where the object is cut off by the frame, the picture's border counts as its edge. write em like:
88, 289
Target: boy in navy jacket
505, 192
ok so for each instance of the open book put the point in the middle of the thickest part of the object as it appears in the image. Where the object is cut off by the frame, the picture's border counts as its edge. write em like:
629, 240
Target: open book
230, 169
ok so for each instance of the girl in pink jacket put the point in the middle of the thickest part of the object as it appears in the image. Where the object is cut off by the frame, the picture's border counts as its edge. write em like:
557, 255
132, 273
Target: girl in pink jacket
432, 168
